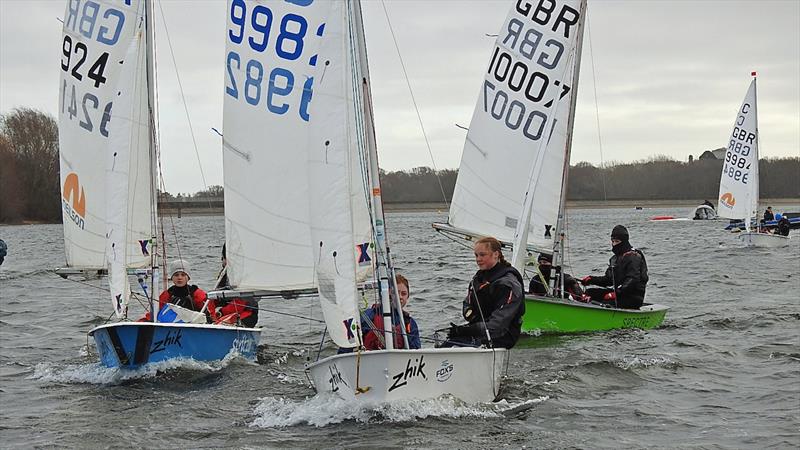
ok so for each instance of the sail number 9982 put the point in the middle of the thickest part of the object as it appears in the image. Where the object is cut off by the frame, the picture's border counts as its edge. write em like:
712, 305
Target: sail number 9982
245, 79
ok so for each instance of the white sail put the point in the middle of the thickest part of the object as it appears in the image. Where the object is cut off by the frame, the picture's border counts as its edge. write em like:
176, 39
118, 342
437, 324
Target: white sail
524, 100
128, 131
738, 185
96, 38
271, 57
336, 135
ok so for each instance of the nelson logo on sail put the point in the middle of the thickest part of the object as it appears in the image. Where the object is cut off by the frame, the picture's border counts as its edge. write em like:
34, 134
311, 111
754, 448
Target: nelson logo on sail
727, 200
74, 200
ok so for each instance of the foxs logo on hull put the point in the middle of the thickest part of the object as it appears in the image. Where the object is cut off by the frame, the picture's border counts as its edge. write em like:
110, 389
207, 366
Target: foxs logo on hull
74, 200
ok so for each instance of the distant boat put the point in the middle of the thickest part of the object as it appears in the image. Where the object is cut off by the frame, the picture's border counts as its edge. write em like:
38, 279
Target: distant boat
738, 186
701, 212
108, 155
513, 175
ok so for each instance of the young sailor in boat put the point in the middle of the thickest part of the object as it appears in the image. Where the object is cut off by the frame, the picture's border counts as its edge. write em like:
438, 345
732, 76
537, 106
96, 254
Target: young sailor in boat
372, 322
768, 215
626, 274
182, 294
541, 280
234, 309
494, 304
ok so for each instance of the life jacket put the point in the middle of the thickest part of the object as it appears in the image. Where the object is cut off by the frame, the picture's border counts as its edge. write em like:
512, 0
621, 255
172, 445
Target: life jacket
373, 338
484, 289
642, 267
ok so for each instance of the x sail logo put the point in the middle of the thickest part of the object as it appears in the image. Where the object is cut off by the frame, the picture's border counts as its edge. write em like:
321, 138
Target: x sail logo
74, 200
727, 200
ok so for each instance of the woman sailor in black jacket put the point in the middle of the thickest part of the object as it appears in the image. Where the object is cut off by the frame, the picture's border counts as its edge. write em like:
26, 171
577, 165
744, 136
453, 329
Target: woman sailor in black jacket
626, 274
494, 304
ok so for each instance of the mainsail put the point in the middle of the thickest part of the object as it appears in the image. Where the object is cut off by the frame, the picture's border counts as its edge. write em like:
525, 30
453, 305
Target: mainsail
271, 58
738, 185
95, 55
521, 126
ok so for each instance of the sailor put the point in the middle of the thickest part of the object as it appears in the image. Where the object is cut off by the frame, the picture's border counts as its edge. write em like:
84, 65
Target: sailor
768, 215
234, 309
372, 322
541, 280
626, 274
495, 302
182, 294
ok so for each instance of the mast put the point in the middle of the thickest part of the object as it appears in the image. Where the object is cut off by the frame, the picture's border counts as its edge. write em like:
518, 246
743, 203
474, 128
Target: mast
558, 245
153, 151
384, 271
754, 194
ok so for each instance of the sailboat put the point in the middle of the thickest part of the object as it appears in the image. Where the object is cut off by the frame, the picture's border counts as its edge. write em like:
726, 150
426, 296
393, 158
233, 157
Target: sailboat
738, 184
107, 143
309, 135
513, 175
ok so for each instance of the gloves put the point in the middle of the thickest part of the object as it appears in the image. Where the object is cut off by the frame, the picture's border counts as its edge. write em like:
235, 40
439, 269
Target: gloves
611, 296
460, 330
586, 280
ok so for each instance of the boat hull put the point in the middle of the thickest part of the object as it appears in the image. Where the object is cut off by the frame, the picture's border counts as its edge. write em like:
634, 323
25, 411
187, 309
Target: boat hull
566, 316
470, 374
766, 240
132, 344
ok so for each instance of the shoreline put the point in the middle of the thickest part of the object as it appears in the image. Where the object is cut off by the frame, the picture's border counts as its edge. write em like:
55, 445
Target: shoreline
777, 203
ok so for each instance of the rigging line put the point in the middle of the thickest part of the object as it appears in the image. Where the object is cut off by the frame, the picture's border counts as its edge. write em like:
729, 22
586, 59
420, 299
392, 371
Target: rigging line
297, 316
414, 101
183, 101
597, 112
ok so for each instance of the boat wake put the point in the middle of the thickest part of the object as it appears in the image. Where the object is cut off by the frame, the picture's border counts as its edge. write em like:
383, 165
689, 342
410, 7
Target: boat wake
326, 409
97, 373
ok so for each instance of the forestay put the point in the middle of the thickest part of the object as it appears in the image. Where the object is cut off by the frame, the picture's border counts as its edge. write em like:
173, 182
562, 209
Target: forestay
738, 185
520, 126
97, 37
271, 55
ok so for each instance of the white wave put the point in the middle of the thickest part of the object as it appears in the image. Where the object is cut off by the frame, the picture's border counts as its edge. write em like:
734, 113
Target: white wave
97, 373
325, 409
633, 362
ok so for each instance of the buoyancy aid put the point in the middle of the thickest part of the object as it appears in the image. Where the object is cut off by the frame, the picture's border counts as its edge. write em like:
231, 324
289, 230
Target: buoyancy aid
373, 338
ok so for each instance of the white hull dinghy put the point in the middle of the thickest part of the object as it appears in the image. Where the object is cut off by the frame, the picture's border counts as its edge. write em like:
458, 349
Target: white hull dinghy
472, 375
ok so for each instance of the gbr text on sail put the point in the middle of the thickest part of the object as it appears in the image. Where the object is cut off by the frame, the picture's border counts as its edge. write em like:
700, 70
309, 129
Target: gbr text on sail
528, 72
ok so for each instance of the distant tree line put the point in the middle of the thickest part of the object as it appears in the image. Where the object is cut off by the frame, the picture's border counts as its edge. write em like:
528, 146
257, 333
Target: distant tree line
662, 178
30, 191
29, 180
657, 178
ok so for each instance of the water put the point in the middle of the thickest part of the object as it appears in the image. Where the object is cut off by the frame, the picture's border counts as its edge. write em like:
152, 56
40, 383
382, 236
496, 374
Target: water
723, 370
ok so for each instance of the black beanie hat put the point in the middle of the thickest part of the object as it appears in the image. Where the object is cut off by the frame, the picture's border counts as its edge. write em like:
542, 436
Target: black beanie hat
620, 232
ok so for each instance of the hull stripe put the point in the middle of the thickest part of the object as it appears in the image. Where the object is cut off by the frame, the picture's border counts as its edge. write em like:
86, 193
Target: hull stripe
118, 347
144, 339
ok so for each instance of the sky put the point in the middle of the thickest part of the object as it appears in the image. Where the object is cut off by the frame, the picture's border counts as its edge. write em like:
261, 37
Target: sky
657, 77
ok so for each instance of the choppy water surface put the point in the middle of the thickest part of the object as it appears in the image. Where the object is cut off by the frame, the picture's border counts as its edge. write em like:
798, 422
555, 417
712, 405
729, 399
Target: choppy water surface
723, 370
